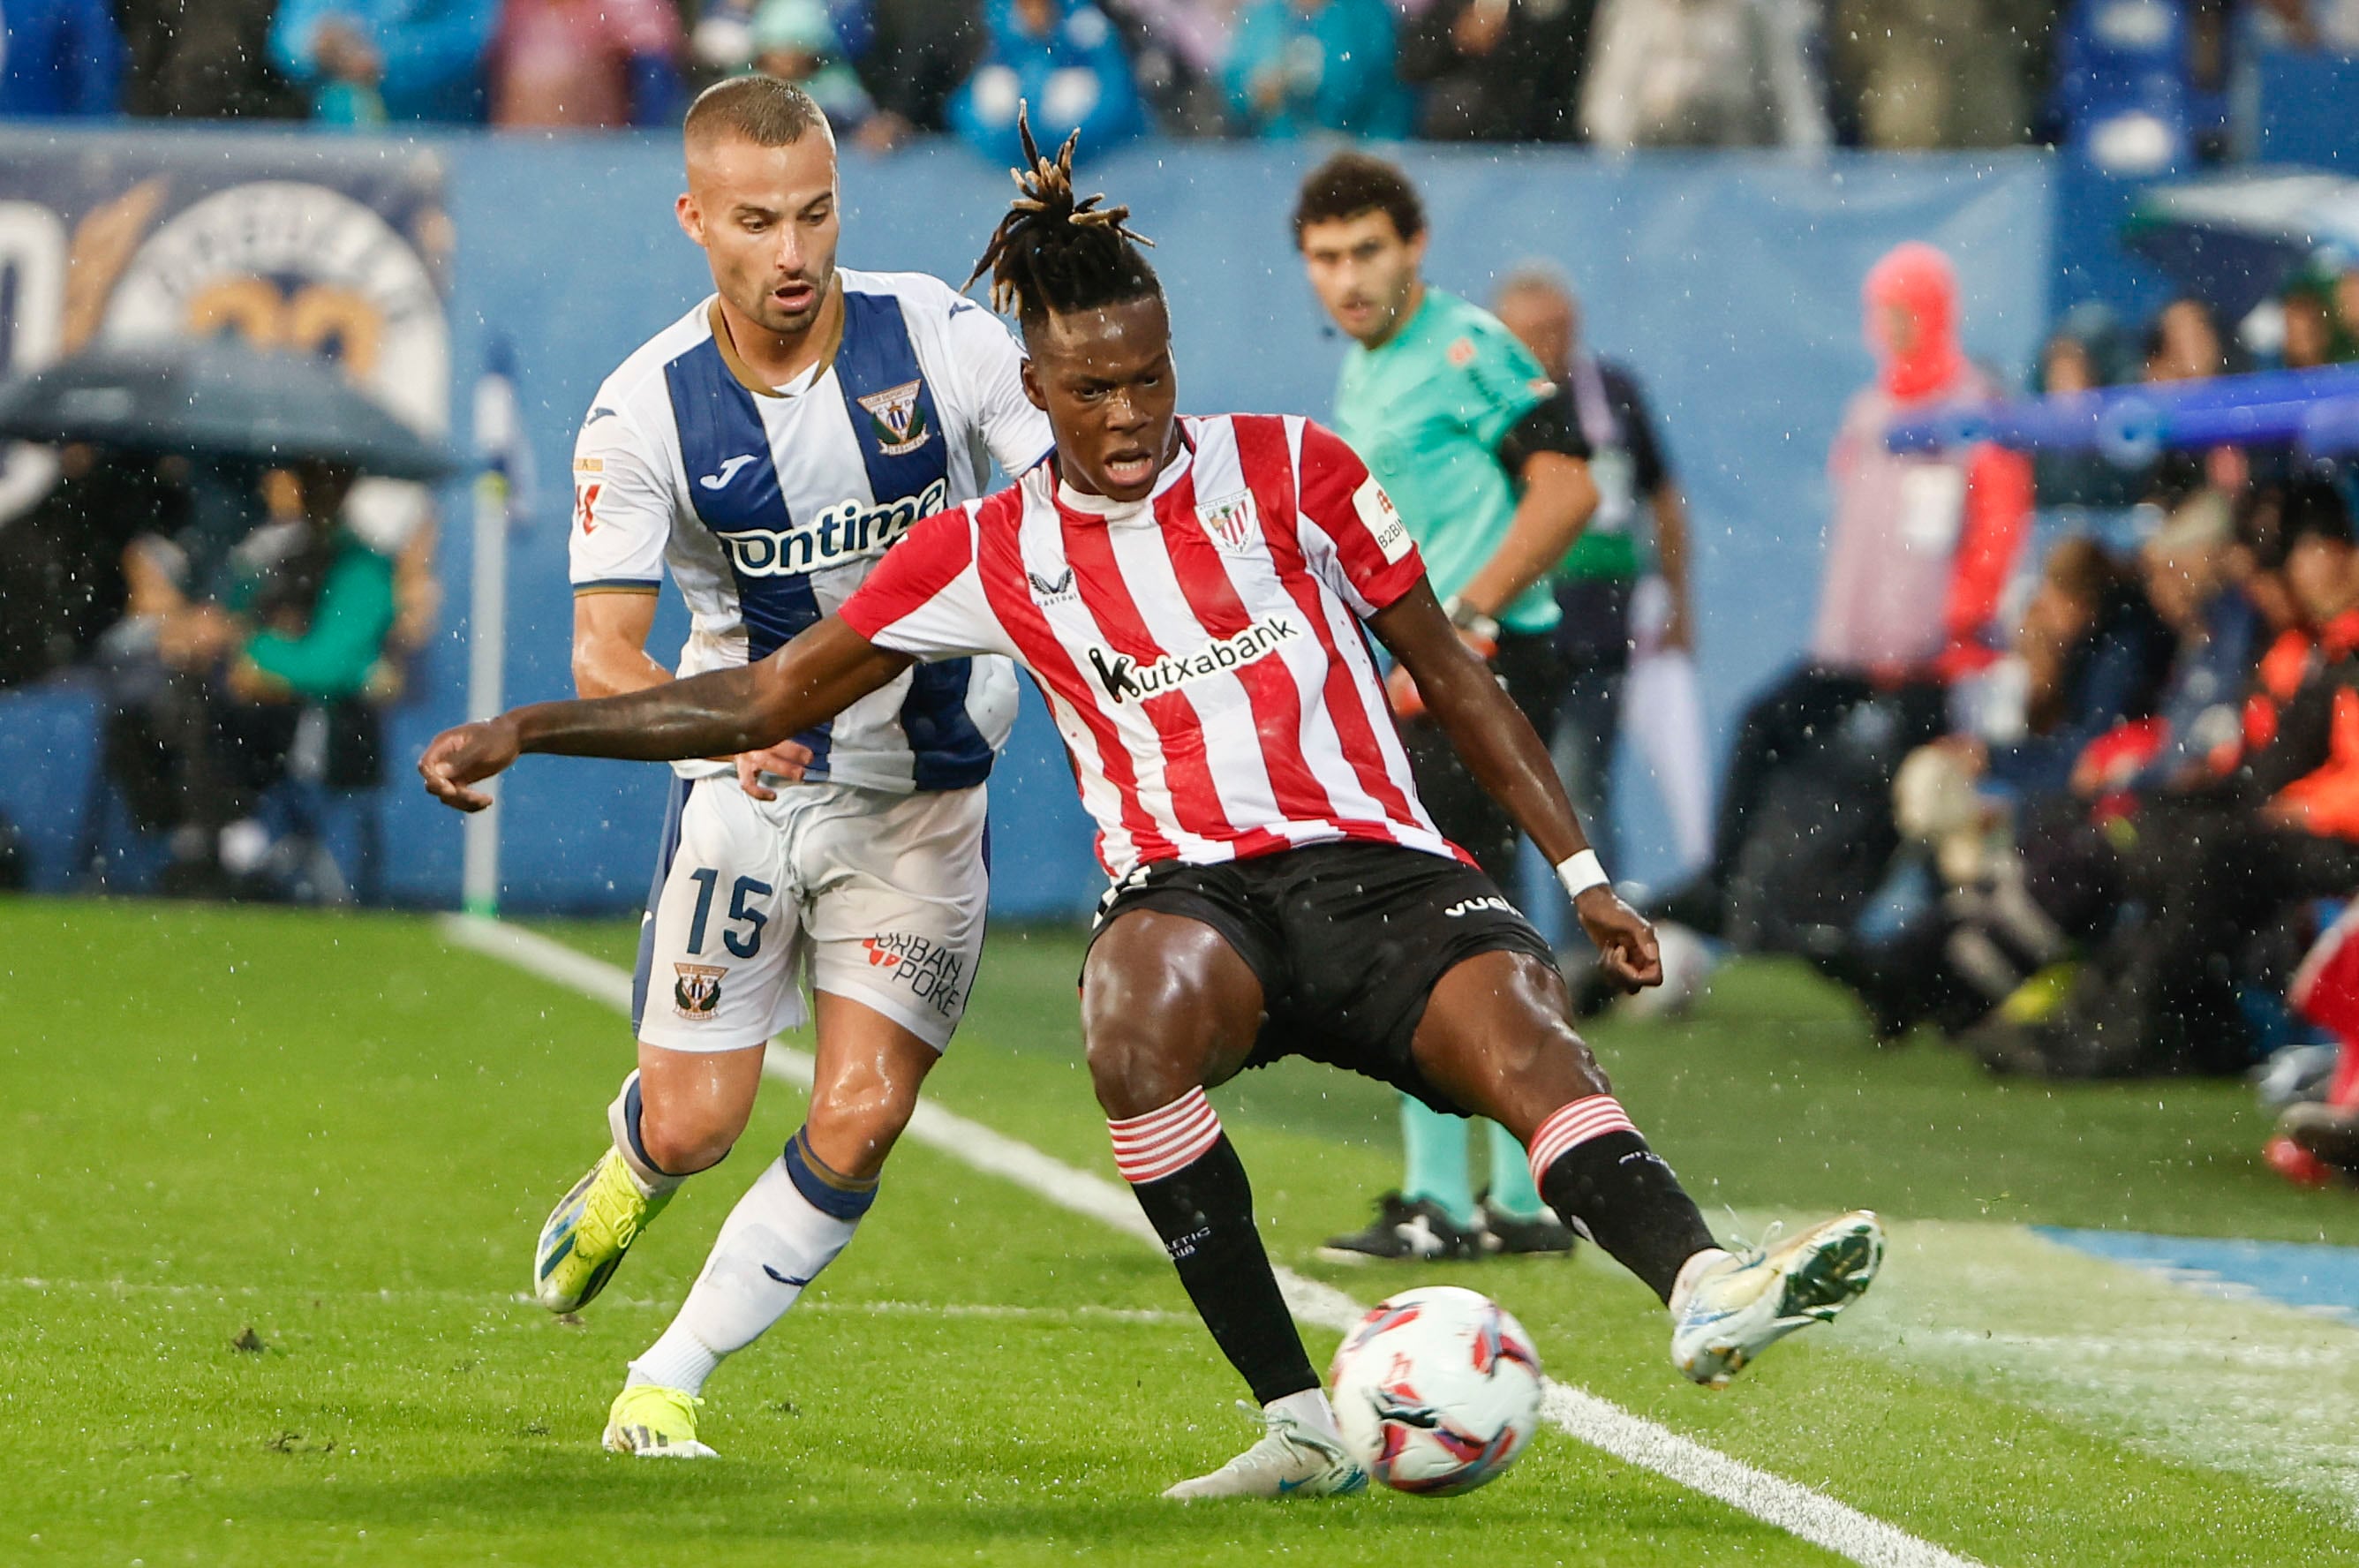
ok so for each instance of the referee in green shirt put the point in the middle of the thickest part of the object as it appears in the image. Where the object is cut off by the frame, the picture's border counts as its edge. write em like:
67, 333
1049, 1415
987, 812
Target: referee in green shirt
1457, 421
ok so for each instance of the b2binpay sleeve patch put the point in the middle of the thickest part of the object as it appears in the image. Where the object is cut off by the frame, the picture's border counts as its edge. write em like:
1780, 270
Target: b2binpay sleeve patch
1382, 521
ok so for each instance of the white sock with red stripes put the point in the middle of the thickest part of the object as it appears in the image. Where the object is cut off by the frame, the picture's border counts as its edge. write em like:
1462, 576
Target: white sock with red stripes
1594, 1169
1149, 1147
1575, 1123
1193, 1187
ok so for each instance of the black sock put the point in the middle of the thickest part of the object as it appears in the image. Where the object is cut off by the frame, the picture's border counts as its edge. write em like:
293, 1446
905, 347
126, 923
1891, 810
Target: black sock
1619, 1193
1203, 1211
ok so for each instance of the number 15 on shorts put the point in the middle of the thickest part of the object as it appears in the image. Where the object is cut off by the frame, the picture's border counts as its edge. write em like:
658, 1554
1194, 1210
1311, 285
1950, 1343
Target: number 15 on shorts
744, 943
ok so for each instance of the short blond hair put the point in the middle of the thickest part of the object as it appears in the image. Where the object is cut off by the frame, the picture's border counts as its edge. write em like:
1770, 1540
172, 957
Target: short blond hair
763, 109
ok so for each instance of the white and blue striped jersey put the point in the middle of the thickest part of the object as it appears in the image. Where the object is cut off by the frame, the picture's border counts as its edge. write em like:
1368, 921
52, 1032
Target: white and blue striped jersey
769, 506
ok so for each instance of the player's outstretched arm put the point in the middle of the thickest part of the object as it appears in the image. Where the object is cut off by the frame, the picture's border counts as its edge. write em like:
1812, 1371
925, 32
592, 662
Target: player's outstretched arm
817, 675
1500, 749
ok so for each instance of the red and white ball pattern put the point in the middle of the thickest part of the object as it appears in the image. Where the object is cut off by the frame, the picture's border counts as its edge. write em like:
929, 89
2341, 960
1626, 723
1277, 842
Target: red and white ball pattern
1437, 1391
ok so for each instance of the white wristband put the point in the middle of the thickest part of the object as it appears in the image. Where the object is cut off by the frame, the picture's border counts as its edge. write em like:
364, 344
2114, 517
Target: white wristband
1580, 873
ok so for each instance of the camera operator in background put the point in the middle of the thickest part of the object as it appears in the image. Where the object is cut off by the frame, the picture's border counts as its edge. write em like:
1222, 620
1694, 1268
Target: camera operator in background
2005, 807
2222, 860
2139, 911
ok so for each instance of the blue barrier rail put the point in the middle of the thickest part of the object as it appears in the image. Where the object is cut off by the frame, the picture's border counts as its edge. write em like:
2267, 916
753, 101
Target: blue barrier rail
2316, 409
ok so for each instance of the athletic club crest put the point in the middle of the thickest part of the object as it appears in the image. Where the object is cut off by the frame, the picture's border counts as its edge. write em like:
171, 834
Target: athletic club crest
1229, 522
697, 992
897, 419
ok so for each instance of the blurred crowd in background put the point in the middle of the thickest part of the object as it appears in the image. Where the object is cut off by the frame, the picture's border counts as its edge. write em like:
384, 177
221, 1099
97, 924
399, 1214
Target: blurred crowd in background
249, 628
2070, 770
2138, 81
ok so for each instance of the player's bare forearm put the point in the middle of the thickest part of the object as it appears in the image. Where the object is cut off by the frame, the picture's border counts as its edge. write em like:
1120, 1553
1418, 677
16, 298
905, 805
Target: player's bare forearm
1558, 499
610, 643
721, 711
813, 678
610, 658
1485, 727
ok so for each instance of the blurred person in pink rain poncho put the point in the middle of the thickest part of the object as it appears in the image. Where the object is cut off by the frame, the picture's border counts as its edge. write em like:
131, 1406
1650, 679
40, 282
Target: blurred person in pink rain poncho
1919, 549
586, 63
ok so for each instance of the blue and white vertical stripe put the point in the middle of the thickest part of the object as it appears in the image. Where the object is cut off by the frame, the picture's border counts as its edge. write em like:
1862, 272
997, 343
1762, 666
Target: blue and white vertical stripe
781, 502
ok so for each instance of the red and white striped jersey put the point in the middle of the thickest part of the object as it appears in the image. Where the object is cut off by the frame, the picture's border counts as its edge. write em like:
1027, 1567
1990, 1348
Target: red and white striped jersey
1201, 650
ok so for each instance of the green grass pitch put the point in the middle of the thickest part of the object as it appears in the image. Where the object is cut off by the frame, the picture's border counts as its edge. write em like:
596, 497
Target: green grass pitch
273, 1181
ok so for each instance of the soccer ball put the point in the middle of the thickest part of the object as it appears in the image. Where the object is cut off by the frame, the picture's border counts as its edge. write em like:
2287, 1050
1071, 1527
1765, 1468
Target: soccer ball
1437, 1390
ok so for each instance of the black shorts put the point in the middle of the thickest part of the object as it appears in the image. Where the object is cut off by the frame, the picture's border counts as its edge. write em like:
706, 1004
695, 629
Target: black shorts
1348, 940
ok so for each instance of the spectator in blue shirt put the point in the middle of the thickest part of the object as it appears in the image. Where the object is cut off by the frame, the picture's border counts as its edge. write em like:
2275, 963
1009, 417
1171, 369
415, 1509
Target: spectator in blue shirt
57, 57
1065, 62
367, 62
795, 40
723, 37
1299, 66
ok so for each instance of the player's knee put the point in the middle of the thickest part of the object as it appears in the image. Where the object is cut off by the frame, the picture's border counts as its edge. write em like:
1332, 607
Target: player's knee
1137, 1062
1136, 1071
684, 1140
1548, 1034
1501, 1037
1167, 1006
1550, 1048
854, 1133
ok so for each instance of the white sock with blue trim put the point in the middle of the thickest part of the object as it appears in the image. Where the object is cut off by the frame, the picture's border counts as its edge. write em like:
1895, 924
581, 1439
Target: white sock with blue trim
789, 1224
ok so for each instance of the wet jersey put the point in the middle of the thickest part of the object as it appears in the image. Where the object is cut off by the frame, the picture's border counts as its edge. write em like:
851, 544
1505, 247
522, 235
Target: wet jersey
769, 506
1201, 651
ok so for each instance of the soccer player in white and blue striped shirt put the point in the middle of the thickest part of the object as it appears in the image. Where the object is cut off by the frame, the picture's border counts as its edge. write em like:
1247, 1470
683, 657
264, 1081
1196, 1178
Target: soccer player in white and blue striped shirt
765, 450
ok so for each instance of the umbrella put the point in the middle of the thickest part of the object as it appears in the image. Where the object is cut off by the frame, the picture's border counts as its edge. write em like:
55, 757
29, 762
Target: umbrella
214, 399
2236, 240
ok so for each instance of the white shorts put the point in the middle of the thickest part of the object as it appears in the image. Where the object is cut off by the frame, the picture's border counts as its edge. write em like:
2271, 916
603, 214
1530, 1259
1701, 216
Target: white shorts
873, 897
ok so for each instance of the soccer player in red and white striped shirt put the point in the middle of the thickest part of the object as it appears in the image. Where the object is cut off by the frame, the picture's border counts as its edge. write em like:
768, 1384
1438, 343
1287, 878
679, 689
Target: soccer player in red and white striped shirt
1189, 596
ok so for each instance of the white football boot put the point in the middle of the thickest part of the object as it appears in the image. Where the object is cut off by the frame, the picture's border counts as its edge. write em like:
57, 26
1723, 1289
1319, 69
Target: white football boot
1290, 1461
1741, 1304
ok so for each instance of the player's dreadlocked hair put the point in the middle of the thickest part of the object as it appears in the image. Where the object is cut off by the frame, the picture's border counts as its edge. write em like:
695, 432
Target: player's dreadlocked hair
1052, 252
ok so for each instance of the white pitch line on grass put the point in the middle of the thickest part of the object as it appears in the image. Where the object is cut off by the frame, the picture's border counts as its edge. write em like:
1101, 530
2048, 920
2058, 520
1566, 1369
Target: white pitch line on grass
1798, 1509
1084, 1311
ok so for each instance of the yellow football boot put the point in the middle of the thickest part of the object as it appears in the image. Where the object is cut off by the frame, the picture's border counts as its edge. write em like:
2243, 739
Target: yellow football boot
586, 1235
654, 1424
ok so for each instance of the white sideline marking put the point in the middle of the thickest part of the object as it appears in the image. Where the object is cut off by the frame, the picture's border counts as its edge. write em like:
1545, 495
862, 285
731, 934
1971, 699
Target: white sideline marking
1800, 1510
492, 1299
